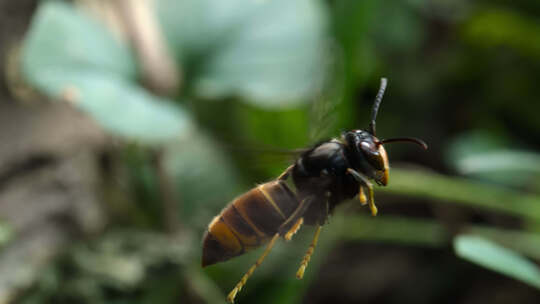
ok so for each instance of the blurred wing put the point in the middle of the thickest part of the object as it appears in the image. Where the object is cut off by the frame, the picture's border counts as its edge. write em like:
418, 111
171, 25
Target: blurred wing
324, 108
261, 157
323, 119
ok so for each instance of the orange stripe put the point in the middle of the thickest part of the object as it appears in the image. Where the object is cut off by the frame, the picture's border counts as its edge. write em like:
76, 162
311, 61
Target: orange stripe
235, 234
248, 241
223, 234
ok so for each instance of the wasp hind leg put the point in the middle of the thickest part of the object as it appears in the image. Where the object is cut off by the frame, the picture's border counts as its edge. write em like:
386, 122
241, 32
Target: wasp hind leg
293, 223
288, 236
307, 257
287, 229
239, 285
309, 252
364, 183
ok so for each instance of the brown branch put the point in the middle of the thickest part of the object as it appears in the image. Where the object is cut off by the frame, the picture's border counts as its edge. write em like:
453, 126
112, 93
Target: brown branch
160, 73
159, 76
135, 21
169, 195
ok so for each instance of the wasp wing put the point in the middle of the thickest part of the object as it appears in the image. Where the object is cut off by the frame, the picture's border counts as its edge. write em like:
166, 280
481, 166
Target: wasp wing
324, 110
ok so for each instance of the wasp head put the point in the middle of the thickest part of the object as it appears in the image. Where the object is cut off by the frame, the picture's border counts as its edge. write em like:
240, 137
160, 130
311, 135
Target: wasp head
368, 153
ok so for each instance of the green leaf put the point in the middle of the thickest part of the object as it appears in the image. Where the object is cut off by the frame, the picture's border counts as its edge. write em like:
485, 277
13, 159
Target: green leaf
485, 156
122, 107
67, 53
446, 189
424, 232
61, 36
494, 257
268, 52
392, 229
500, 161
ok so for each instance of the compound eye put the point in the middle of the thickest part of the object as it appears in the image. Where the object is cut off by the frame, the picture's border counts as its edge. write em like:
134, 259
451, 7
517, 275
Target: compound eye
372, 154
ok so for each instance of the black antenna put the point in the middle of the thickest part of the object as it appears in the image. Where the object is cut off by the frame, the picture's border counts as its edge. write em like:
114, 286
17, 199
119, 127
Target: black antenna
376, 105
406, 139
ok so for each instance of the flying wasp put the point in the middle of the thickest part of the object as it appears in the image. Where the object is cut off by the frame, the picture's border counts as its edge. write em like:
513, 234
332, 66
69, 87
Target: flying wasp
323, 176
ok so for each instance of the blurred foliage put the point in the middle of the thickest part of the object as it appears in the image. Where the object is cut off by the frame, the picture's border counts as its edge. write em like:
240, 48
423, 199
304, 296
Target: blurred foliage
71, 57
464, 191
496, 27
243, 48
284, 74
498, 258
488, 157
5, 233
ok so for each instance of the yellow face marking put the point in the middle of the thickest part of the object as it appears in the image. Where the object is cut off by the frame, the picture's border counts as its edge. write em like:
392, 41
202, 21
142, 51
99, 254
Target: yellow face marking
271, 201
384, 156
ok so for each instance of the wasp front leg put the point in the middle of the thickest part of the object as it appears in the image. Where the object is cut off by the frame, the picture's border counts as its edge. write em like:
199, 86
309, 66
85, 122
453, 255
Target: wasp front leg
364, 183
362, 195
293, 223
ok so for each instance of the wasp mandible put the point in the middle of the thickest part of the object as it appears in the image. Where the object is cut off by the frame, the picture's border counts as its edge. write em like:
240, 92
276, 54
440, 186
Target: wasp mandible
323, 176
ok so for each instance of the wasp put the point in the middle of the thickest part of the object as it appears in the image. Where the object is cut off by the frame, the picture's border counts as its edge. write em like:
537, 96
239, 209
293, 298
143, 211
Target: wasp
323, 176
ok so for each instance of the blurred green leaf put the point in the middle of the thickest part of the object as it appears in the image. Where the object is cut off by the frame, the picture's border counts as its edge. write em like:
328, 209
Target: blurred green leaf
390, 229
473, 142
502, 27
486, 156
268, 52
62, 37
68, 56
526, 243
500, 160
426, 232
6, 233
492, 256
445, 189
119, 106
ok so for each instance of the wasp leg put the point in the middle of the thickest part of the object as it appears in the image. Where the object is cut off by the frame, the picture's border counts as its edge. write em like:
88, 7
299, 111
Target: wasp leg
294, 219
288, 236
286, 173
366, 183
362, 196
309, 252
286, 230
246, 276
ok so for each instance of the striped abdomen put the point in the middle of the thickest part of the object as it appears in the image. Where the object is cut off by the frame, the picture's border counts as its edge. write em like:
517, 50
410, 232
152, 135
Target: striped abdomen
248, 222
